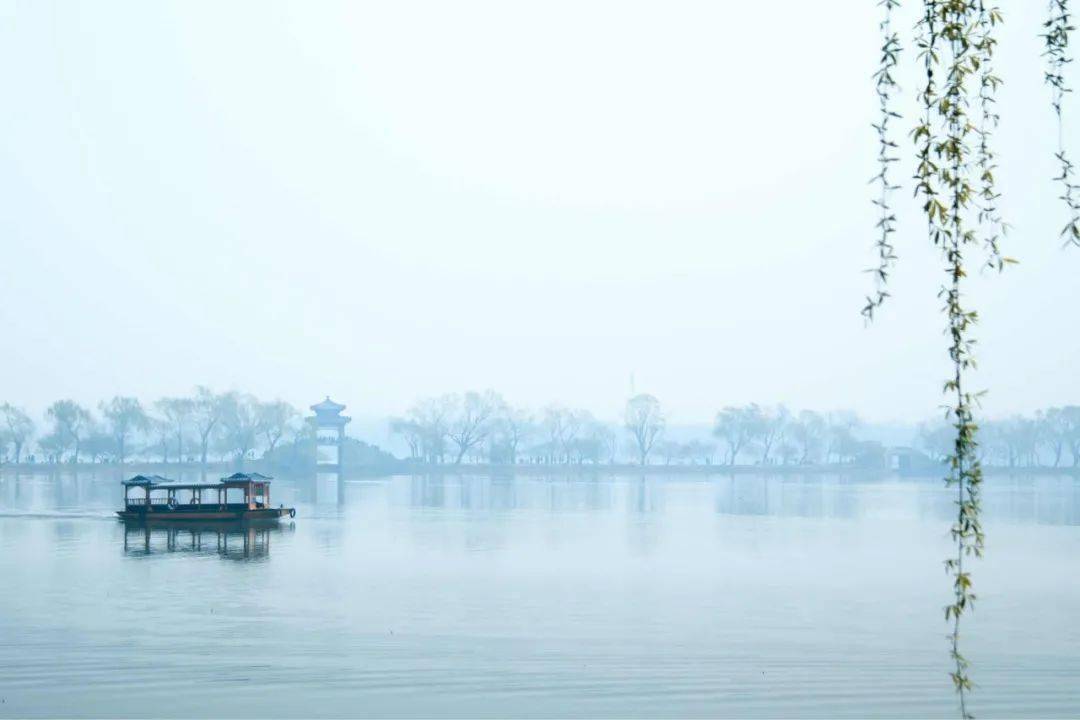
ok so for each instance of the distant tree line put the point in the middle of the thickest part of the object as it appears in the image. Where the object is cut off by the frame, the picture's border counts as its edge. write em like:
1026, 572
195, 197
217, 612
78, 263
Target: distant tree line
195, 428
481, 427
1048, 438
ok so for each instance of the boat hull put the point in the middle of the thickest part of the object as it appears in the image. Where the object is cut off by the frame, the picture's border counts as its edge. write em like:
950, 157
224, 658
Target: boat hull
215, 515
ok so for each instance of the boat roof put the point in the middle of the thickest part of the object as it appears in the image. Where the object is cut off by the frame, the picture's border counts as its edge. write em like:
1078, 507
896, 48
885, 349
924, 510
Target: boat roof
257, 477
157, 481
147, 480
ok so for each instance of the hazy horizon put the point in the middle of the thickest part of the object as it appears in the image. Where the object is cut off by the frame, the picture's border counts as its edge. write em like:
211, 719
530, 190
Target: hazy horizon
384, 202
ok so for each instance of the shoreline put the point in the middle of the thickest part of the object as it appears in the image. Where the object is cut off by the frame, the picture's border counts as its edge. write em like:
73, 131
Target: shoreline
523, 469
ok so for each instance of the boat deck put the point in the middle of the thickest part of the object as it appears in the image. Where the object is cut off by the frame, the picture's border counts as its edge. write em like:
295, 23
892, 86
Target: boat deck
229, 512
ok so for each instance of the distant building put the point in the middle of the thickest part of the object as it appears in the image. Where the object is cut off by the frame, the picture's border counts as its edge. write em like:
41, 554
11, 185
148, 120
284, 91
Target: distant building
909, 461
329, 434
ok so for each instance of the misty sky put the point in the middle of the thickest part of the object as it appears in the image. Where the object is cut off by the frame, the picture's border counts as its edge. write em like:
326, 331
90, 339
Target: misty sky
382, 201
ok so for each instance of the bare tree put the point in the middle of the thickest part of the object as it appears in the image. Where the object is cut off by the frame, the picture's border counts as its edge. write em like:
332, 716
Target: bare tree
553, 423
645, 421
807, 432
471, 420
840, 432
1071, 419
161, 430
700, 450
589, 445
769, 428
124, 417
240, 423
411, 432
787, 450
432, 417
53, 445
514, 426
207, 411
578, 425
100, 445
177, 414
275, 419
937, 439
670, 451
735, 426
1053, 431
19, 426
562, 426
71, 425
609, 442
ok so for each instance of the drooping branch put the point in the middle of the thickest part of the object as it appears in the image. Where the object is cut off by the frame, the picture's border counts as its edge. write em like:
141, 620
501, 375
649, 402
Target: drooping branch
955, 181
925, 134
967, 35
885, 86
991, 223
1058, 28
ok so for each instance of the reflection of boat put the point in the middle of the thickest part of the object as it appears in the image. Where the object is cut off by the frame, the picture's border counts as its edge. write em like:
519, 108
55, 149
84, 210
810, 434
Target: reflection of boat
161, 499
232, 539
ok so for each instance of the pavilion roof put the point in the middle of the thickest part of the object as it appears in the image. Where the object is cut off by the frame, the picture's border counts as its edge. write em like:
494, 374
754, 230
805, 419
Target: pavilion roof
328, 405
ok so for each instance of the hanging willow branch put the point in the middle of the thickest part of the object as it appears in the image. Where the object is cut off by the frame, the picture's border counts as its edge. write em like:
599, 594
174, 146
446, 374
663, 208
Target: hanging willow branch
955, 181
923, 134
1057, 53
959, 25
885, 86
994, 227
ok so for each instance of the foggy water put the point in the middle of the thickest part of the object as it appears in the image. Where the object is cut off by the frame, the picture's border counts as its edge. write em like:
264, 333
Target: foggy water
557, 596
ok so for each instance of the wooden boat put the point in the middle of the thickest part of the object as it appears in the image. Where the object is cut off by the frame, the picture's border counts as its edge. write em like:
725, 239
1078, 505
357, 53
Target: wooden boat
158, 499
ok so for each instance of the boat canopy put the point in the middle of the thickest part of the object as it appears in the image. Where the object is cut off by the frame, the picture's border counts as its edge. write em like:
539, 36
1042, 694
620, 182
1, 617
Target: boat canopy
147, 480
255, 477
158, 482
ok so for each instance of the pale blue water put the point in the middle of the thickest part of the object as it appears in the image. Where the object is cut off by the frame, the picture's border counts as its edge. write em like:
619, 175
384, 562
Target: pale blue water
539, 597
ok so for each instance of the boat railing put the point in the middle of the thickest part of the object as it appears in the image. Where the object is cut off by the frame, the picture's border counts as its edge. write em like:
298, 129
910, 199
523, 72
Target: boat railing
205, 504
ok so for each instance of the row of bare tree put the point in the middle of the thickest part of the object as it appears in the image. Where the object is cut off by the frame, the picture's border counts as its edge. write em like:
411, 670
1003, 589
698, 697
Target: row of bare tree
483, 427
1042, 439
197, 426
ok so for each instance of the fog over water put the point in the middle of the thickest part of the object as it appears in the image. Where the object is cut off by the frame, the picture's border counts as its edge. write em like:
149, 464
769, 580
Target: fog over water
608, 596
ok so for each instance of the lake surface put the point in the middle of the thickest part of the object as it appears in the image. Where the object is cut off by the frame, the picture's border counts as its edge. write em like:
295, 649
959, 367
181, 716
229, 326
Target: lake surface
606, 596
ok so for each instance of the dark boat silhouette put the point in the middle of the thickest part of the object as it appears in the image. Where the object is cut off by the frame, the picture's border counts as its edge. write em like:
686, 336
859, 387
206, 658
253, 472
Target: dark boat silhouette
158, 499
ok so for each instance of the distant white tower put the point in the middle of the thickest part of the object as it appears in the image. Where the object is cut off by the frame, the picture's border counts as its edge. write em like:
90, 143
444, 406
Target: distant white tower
329, 434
